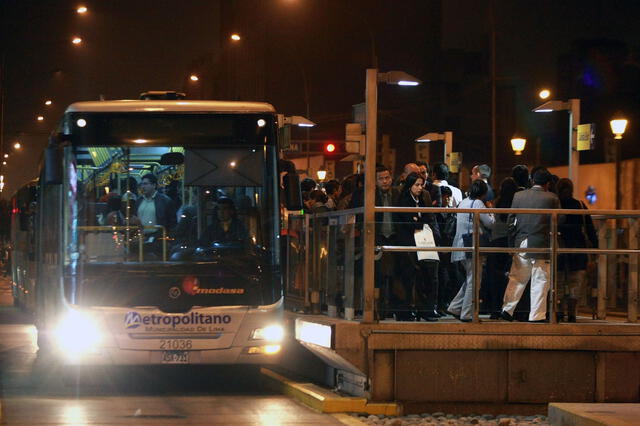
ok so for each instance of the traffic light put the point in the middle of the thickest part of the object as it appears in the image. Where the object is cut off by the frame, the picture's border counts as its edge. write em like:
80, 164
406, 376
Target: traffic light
330, 148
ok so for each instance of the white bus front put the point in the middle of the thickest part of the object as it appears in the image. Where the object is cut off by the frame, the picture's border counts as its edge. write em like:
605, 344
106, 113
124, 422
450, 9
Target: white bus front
184, 270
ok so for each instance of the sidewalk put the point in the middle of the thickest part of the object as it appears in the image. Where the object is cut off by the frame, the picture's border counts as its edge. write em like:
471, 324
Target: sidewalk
594, 414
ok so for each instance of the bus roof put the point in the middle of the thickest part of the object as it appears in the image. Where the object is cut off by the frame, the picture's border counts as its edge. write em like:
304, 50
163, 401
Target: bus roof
171, 106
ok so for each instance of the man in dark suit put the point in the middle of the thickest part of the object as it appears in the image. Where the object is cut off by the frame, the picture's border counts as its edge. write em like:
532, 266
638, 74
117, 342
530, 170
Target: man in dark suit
386, 196
154, 208
531, 231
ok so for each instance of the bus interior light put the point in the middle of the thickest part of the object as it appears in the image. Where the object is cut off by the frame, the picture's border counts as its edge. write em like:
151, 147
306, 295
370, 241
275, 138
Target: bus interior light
272, 333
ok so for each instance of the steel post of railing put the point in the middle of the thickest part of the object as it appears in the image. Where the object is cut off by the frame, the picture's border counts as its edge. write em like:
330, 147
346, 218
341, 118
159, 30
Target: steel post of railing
349, 270
316, 238
164, 244
477, 268
602, 272
553, 269
612, 266
332, 266
307, 255
287, 258
632, 290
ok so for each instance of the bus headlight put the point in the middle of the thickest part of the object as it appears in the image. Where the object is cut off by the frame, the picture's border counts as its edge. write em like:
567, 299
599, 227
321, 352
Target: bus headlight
77, 334
272, 333
263, 350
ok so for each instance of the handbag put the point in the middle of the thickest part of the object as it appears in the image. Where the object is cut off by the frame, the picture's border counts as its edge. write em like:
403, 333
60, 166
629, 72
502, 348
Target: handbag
467, 239
424, 238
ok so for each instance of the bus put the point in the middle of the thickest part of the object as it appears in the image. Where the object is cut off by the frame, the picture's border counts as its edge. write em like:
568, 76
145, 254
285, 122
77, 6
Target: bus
23, 245
157, 226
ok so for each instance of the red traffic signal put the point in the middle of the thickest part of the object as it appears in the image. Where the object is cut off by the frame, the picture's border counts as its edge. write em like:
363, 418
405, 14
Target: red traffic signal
330, 148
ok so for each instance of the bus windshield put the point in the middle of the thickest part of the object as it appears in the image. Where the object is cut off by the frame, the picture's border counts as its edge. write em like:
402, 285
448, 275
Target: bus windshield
171, 226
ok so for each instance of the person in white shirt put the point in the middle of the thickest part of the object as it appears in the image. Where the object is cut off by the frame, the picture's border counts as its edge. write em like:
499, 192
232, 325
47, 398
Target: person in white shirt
441, 172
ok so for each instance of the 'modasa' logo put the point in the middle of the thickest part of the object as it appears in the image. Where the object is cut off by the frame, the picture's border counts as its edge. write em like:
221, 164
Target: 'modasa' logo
191, 285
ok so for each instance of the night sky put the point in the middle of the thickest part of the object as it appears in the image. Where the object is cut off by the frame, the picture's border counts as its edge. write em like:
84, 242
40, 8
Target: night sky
585, 48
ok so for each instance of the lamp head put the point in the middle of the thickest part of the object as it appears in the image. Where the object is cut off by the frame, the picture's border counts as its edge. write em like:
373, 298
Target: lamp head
322, 173
518, 144
550, 106
400, 78
618, 126
431, 136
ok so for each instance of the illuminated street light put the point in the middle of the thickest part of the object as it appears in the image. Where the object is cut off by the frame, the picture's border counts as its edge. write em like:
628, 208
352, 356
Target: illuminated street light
82, 10
76, 40
447, 137
322, 173
294, 120
40, 118
193, 77
573, 107
4, 163
17, 145
6, 156
48, 102
400, 78
518, 144
618, 126
235, 37
544, 94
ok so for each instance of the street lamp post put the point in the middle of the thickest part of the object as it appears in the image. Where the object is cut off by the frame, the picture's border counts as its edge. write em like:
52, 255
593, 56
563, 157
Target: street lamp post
373, 77
618, 126
447, 137
573, 106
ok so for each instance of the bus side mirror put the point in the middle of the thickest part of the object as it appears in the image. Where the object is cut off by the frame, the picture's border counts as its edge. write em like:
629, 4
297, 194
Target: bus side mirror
53, 165
292, 194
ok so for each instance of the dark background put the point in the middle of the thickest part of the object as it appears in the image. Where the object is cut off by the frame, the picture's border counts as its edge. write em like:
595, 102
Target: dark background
586, 49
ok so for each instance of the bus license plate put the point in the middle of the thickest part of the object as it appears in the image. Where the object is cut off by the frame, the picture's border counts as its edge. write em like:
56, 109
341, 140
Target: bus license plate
175, 357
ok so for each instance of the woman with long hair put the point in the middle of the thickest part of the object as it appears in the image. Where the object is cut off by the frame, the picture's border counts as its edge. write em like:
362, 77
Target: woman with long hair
576, 231
462, 305
421, 275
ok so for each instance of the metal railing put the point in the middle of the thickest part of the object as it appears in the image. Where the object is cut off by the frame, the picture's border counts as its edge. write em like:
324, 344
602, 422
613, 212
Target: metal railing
331, 248
129, 231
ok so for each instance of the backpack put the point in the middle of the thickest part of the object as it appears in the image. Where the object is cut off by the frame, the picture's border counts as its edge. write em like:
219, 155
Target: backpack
448, 229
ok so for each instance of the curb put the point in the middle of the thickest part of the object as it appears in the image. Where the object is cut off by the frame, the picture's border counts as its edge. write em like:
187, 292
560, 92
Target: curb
326, 401
348, 420
594, 414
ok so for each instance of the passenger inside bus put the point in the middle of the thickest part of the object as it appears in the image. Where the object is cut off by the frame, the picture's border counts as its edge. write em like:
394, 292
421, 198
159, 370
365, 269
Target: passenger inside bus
226, 226
186, 234
120, 211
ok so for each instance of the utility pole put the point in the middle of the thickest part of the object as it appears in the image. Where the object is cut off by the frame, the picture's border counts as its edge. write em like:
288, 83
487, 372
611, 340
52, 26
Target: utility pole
494, 155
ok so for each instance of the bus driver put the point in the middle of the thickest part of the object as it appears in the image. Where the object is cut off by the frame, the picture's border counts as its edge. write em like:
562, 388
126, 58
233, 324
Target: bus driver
226, 225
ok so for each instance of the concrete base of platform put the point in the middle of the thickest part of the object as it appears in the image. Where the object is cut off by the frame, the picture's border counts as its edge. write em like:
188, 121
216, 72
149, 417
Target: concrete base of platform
565, 414
490, 364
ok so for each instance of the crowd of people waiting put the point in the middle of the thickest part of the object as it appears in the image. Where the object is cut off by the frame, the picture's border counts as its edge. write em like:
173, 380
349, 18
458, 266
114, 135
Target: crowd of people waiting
427, 285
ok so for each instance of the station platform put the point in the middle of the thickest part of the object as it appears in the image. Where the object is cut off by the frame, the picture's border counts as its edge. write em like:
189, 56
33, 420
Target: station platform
594, 414
492, 366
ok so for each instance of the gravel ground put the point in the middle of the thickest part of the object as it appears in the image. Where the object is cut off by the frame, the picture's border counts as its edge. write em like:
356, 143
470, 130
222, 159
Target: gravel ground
434, 419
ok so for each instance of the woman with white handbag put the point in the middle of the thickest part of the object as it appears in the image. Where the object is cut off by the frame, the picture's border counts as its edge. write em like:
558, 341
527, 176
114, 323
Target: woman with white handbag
419, 269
